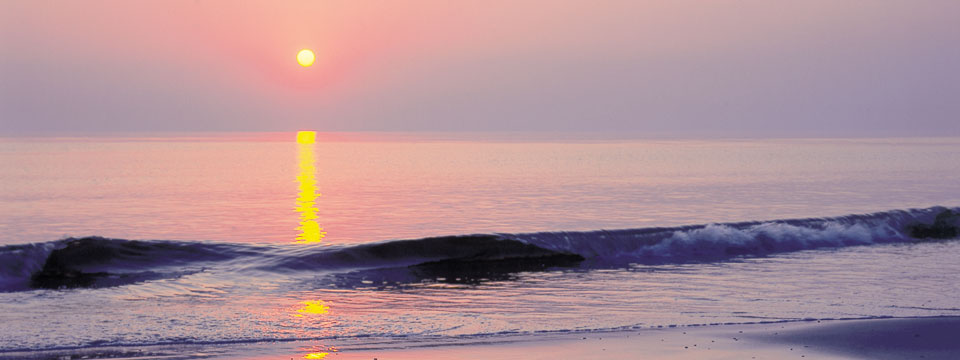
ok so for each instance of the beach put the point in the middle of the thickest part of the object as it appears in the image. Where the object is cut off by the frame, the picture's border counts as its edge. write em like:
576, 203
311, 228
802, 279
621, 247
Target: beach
899, 338
903, 338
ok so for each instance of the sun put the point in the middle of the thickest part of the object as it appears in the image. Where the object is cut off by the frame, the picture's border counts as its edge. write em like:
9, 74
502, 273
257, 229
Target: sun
305, 57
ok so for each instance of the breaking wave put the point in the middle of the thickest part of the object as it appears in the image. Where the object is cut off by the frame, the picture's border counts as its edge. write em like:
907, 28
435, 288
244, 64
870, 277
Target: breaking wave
93, 262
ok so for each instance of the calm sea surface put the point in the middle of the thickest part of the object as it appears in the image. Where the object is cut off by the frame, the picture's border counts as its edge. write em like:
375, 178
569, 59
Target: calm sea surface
255, 237
378, 187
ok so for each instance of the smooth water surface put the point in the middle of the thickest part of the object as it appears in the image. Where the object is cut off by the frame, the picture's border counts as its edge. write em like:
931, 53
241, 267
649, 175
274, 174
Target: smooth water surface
244, 188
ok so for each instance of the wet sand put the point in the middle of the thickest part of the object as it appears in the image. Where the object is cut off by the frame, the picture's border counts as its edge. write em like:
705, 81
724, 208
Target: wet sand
911, 338
901, 338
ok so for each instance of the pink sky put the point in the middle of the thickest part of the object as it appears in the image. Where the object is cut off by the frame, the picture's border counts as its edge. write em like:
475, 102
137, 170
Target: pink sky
675, 68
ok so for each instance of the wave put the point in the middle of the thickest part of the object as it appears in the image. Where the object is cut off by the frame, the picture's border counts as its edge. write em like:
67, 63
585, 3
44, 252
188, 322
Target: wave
712, 242
93, 262
101, 262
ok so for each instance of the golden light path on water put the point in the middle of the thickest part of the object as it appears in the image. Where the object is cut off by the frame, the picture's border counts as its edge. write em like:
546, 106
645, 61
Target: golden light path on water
309, 230
314, 308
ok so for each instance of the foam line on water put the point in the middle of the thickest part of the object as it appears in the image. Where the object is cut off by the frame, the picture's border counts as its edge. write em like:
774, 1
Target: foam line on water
101, 262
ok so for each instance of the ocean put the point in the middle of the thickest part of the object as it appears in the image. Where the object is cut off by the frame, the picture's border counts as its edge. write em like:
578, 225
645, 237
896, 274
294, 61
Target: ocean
388, 239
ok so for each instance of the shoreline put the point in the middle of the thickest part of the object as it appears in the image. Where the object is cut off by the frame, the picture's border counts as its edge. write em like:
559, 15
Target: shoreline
880, 338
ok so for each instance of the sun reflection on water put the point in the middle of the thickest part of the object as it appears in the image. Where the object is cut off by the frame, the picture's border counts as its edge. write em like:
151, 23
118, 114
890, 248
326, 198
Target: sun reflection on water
313, 307
307, 312
310, 230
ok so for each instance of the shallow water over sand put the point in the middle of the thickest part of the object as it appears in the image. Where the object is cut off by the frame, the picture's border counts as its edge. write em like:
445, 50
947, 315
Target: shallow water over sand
214, 307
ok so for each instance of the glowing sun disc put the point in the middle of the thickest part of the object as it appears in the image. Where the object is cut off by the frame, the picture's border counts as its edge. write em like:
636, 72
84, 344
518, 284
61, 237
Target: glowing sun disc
305, 57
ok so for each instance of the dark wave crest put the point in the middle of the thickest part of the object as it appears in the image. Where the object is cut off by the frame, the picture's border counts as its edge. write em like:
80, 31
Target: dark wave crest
103, 262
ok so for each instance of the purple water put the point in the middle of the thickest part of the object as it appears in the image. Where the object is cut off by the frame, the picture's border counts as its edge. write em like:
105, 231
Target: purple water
220, 215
